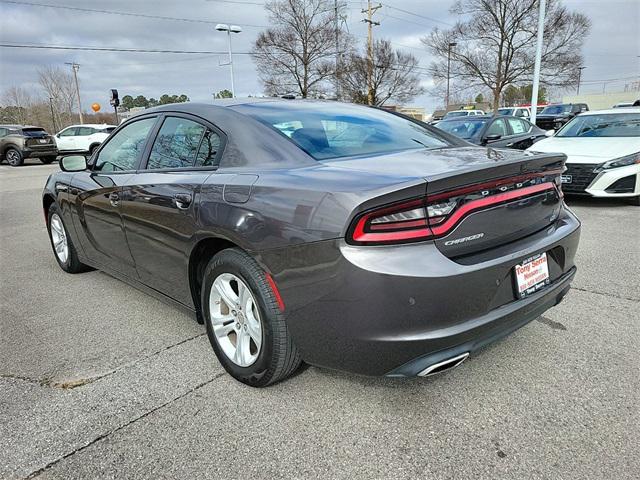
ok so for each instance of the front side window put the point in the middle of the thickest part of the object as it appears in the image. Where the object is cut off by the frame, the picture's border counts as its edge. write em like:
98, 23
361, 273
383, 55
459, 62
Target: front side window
498, 127
69, 132
329, 131
611, 125
177, 144
125, 148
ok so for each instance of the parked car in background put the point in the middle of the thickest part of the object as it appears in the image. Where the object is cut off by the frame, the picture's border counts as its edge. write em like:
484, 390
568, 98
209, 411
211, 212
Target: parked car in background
462, 113
83, 138
603, 153
522, 112
344, 244
495, 131
18, 142
623, 105
553, 117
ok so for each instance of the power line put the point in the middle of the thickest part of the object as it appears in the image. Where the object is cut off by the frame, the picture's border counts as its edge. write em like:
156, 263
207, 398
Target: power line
417, 15
126, 14
118, 49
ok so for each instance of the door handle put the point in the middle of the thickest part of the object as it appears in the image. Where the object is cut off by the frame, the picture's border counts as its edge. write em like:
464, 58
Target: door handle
182, 200
114, 198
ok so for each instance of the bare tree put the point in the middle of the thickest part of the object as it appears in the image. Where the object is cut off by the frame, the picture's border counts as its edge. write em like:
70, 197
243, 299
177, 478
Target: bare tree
297, 54
19, 100
395, 76
497, 41
59, 86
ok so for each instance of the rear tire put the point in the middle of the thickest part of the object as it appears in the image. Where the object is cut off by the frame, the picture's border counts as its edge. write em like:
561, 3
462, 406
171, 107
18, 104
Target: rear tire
63, 249
14, 157
47, 160
272, 356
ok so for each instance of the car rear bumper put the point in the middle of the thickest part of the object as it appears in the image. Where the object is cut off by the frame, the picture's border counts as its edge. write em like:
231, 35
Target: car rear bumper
45, 151
394, 310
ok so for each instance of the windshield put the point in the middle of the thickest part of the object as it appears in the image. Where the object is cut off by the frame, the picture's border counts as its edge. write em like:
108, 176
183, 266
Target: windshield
332, 130
505, 111
456, 114
466, 129
556, 109
611, 125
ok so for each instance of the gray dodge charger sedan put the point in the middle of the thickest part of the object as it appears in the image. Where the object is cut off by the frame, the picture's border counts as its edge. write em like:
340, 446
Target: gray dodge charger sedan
343, 236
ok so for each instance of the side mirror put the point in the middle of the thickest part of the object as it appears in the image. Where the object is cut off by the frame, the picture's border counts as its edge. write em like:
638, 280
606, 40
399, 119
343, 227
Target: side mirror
492, 138
549, 133
73, 163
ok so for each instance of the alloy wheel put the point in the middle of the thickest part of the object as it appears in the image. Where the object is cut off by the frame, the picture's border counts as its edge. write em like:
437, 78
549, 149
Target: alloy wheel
235, 319
59, 237
13, 157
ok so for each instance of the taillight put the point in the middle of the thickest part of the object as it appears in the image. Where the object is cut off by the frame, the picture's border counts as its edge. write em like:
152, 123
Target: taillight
404, 222
433, 217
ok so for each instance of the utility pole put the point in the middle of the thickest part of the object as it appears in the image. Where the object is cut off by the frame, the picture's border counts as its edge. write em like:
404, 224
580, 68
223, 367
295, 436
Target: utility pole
75, 67
451, 44
370, 10
579, 76
536, 68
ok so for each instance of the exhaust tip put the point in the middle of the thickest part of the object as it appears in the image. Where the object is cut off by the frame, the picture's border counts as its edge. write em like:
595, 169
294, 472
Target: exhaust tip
444, 366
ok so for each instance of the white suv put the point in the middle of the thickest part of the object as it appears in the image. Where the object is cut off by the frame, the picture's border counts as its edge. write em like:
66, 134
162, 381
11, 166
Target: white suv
83, 138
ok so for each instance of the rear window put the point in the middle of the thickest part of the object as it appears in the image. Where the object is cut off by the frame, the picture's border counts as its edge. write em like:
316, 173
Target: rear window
556, 109
327, 131
33, 132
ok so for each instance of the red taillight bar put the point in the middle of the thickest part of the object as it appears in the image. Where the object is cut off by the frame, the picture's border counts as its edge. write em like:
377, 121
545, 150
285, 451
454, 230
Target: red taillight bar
425, 229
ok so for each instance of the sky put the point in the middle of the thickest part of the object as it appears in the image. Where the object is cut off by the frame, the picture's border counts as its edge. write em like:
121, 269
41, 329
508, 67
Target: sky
612, 50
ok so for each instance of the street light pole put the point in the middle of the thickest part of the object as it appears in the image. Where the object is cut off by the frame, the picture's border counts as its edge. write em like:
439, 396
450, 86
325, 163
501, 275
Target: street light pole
451, 44
223, 27
536, 68
579, 76
75, 67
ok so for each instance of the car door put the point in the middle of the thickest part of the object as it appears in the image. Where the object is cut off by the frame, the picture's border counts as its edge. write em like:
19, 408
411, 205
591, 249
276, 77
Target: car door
82, 138
96, 194
160, 202
66, 139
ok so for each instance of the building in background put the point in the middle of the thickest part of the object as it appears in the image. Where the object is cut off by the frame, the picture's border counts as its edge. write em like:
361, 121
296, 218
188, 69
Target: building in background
601, 101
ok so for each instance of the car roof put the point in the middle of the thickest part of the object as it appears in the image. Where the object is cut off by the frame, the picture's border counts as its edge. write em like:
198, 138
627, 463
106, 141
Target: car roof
611, 111
96, 125
20, 126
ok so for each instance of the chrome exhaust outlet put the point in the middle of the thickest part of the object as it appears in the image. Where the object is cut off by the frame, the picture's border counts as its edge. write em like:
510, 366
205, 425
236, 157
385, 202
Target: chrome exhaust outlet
444, 366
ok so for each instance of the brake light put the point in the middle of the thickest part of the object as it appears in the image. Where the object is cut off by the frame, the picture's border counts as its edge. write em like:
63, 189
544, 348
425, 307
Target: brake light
433, 217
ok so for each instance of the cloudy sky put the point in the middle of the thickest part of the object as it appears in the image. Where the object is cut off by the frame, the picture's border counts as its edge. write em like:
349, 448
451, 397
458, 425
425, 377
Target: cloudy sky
612, 50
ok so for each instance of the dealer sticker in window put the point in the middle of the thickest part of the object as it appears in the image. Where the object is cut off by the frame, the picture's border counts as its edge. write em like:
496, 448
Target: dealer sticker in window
532, 275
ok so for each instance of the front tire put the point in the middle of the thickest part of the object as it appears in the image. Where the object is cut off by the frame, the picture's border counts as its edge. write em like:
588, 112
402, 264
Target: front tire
14, 157
63, 248
244, 323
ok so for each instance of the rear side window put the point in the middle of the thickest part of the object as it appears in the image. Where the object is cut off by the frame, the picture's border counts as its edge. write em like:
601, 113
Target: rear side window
177, 144
124, 149
329, 131
518, 126
3, 132
208, 151
84, 131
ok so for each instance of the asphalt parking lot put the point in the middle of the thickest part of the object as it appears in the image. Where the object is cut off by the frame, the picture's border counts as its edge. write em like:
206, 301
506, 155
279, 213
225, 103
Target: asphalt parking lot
98, 380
